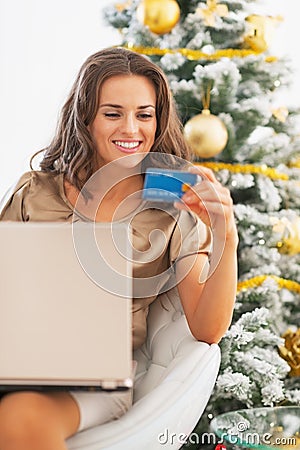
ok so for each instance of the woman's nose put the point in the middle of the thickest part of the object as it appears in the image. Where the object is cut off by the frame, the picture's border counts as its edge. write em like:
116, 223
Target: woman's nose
130, 124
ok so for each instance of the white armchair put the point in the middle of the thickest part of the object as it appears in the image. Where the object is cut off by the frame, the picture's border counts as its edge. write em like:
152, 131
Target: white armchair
174, 380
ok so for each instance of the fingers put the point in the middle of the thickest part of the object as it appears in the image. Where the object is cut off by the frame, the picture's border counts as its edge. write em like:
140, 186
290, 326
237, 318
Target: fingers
205, 172
209, 199
207, 191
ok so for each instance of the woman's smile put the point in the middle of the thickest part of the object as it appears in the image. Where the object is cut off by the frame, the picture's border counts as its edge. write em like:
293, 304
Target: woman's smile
127, 146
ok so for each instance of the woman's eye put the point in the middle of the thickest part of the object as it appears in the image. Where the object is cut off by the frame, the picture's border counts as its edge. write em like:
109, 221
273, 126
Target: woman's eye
145, 116
112, 115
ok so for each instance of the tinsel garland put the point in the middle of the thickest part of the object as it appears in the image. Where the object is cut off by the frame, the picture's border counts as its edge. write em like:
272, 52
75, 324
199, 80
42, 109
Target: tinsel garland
257, 281
246, 168
194, 55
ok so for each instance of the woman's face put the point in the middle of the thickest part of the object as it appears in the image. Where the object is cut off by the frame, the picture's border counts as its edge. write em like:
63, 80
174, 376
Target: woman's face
125, 123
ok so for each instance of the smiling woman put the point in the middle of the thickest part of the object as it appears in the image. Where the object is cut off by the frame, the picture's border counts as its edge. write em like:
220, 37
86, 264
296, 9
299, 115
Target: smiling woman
118, 119
127, 94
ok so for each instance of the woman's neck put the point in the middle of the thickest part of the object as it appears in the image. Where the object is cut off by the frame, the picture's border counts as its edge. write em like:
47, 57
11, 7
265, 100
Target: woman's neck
108, 199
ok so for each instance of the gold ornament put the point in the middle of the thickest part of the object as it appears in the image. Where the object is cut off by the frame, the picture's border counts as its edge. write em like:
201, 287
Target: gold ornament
120, 7
206, 134
261, 31
295, 162
160, 16
290, 234
211, 11
291, 351
280, 113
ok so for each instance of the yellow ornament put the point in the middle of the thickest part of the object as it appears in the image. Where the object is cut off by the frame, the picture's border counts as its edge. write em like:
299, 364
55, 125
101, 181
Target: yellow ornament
261, 31
120, 7
290, 234
211, 11
206, 134
280, 113
291, 351
295, 162
160, 16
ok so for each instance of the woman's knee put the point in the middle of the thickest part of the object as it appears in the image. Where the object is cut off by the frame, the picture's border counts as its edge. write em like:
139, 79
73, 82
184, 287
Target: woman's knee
29, 416
21, 416
18, 416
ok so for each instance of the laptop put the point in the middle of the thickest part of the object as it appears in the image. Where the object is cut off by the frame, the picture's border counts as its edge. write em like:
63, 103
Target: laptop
65, 306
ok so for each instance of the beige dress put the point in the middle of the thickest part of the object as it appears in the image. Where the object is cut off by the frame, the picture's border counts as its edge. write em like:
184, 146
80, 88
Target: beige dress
40, 196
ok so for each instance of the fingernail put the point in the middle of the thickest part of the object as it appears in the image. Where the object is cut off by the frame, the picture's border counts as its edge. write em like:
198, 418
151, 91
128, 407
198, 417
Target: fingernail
188, 194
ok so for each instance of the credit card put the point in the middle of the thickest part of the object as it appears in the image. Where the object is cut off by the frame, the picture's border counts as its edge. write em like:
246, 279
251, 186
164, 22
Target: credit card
167, 185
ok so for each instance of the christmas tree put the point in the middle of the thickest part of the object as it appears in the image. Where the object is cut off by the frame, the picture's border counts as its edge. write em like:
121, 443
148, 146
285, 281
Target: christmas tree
224, 80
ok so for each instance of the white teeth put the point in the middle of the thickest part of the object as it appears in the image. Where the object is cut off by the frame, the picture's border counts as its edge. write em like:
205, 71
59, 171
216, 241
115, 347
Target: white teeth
127, 144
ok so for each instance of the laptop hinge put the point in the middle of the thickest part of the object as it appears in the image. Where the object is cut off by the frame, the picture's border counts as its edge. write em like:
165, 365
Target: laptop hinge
114, 384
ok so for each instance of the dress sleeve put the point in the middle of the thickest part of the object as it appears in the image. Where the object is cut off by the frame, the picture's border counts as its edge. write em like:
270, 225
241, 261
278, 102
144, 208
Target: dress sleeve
12, 205
190, 236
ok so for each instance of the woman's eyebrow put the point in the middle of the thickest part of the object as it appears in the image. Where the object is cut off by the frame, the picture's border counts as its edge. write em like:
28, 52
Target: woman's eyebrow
146, 106
112, 105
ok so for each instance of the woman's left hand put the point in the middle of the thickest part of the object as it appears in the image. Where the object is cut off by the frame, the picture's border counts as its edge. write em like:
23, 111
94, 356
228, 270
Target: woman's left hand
212, 203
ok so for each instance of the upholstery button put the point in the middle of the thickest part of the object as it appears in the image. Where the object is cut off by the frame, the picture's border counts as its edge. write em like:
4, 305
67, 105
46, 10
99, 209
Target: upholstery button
176, 315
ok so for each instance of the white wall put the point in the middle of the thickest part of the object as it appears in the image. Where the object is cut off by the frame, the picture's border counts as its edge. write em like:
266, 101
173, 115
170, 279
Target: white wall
285, 41
43, 44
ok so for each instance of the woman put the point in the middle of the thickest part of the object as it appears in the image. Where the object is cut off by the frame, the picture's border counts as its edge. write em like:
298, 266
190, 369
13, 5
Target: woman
118, 119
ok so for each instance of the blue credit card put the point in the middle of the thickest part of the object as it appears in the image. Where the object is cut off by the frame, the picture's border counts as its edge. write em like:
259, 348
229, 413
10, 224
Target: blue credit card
167, 185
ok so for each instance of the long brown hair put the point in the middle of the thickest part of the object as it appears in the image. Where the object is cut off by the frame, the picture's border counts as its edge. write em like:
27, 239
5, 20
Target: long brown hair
72, 150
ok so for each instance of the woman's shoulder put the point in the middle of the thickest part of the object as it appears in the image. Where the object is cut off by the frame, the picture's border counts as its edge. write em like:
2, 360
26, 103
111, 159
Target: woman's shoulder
34, 179
20, 184
23, 180
31, 184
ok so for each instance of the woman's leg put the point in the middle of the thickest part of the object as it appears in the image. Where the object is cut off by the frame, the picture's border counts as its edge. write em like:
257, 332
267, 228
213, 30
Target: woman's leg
37, 421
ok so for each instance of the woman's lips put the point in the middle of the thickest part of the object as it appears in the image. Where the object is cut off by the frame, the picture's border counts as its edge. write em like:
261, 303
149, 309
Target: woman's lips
127, 146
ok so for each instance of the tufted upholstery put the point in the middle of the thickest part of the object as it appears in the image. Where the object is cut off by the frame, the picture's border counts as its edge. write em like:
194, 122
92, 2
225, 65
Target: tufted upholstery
174, 379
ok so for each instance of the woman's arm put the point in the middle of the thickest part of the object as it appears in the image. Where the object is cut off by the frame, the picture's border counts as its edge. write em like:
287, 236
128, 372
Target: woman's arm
207, 286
